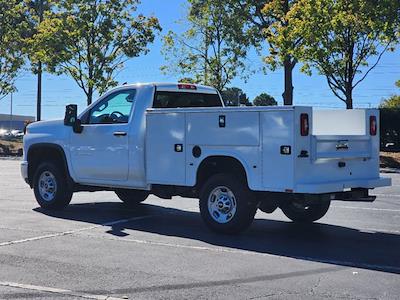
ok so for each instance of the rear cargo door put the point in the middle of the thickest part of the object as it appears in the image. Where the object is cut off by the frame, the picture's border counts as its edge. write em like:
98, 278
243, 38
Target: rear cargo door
342, 145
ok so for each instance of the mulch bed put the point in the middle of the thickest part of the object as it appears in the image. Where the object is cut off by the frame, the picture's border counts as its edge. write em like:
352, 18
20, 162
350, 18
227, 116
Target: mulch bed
390, 160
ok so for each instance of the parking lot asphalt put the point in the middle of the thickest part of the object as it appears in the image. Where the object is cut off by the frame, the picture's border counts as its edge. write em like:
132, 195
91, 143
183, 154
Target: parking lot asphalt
99, 249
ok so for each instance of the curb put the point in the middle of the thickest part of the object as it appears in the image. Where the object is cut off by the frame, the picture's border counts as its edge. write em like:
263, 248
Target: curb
10, 157
390, 170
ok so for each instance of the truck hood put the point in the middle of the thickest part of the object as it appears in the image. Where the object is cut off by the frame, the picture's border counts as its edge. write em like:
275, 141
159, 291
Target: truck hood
46, 126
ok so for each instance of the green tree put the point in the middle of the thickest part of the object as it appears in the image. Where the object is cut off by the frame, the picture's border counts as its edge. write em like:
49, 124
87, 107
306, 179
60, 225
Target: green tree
35, 11
268, 20
393, 101
212, 50
187, 80
91, 40
344, 40
12, 27
234, 96
264, 100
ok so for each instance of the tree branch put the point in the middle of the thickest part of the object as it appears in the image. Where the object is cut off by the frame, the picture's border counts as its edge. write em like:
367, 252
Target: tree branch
374, 65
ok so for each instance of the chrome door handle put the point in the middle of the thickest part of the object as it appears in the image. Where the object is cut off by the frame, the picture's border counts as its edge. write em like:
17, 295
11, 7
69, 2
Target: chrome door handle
120, 133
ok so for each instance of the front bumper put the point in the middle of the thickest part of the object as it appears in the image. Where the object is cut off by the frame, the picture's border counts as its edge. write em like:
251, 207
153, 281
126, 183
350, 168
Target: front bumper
24, 171
340, 186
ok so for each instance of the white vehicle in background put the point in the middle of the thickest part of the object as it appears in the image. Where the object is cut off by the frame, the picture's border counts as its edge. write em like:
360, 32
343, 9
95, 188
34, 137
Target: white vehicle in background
179, 139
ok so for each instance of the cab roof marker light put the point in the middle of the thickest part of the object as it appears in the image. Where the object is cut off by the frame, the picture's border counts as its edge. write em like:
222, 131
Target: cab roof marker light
186, 86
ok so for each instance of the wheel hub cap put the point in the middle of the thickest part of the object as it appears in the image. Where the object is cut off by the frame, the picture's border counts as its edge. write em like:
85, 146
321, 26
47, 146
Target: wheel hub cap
222, 204
47, 186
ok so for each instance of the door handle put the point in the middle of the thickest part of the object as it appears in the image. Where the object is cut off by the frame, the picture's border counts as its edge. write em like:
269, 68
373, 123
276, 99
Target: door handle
119, 133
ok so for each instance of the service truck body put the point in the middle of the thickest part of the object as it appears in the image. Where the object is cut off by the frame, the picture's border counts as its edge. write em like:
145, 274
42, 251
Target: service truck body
175, 137
255, 137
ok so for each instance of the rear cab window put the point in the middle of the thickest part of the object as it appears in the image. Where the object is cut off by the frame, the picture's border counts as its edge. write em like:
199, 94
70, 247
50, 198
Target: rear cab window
167, 99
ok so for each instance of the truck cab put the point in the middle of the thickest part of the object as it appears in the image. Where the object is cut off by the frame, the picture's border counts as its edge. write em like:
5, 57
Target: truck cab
179, 139
110, 145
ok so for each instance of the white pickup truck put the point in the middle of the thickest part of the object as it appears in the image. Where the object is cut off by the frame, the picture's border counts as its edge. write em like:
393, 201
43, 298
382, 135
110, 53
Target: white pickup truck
179, 139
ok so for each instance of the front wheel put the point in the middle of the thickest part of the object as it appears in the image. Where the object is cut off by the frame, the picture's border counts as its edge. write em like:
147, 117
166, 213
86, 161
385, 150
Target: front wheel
50, 187
226, 204
303, 212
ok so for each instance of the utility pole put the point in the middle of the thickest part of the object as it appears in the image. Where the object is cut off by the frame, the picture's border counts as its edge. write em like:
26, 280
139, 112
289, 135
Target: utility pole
11, 112
206, 44
238, 98
39, 71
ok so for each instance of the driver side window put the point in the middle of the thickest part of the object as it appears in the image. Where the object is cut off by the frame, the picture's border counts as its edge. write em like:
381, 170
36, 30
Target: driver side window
115, 108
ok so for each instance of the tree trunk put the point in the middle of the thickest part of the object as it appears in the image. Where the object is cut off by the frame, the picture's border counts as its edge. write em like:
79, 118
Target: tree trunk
89, 95
288, 93
349, 93
349, 100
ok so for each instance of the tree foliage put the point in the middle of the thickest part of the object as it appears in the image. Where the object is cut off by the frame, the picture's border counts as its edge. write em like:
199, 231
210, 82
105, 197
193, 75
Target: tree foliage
12, 27
234, 96
91, 40
186, 80
264, 100
269, 20
344, 40
212, 50
34, 10
393, 101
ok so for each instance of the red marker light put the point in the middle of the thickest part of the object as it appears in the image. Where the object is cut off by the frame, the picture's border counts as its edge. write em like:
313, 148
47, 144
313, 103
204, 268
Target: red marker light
372, 125
304, 125
186, 86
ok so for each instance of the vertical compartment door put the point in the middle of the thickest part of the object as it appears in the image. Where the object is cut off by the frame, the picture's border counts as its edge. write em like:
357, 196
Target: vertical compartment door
165, 148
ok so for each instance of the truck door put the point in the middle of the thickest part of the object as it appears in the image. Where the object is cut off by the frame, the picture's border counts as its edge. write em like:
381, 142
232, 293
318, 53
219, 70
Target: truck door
101, 152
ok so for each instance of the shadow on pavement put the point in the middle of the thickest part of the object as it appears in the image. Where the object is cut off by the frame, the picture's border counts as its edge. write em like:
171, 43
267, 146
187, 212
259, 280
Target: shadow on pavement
331, 244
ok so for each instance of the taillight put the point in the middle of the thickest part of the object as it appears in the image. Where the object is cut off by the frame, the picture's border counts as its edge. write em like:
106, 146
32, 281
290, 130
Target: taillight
304, 125
372, 125
186, 86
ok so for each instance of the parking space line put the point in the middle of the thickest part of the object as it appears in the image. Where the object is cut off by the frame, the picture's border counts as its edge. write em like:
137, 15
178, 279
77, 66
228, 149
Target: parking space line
69, 232
367, 208
387, 195
45, 289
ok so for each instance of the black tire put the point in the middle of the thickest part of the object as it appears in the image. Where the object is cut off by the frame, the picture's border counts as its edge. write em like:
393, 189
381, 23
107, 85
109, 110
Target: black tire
132, 197
62, 194
298, 211
246, 206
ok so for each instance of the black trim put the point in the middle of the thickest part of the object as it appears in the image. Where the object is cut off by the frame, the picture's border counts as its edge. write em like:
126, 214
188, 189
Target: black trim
70, 181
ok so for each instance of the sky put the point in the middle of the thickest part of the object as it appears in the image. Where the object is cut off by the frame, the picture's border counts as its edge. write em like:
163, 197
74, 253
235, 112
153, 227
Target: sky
59, 91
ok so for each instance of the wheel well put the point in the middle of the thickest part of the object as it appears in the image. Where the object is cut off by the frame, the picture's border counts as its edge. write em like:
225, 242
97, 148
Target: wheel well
219, 164
45, 153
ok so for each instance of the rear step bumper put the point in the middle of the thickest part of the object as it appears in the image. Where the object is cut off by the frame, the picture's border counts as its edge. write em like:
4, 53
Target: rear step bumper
355, 195
340, 186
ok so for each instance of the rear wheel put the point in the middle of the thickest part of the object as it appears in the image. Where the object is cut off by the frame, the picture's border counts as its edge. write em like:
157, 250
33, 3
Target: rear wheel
132, 197
50, 187
226, 204
304, 211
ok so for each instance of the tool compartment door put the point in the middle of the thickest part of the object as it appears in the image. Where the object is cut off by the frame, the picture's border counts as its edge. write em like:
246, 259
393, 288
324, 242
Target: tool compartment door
223, 128
165, 148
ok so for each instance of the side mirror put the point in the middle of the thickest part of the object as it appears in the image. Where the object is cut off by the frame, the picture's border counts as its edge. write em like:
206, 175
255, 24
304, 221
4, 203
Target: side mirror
71, 114
71, 118
77, 127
